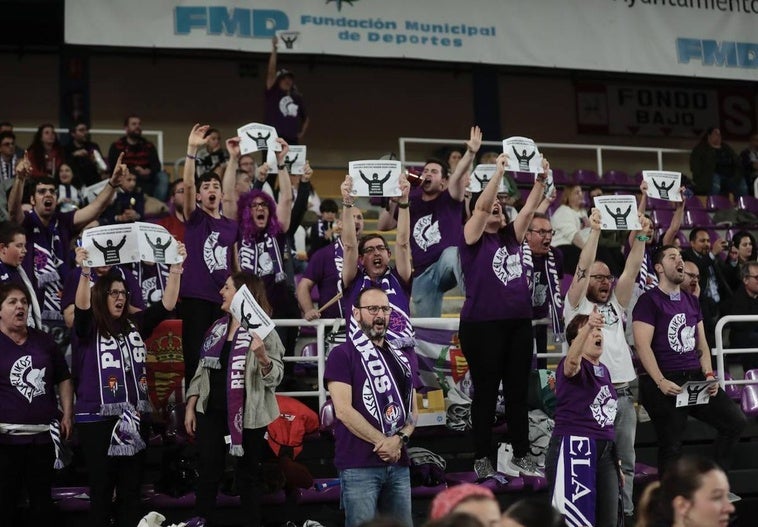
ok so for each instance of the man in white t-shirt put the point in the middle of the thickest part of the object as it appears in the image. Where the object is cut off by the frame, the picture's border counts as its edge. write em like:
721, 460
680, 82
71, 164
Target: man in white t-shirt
593, 288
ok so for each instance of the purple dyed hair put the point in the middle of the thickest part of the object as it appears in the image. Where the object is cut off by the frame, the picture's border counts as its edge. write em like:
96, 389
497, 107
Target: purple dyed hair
245, 217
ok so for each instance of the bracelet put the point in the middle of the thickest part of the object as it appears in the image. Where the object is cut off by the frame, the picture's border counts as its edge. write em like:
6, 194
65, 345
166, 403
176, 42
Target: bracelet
347, 204
403, 205
710, 375
111, 184
281, 167
190, 156
642, 237
86, 275
176, 271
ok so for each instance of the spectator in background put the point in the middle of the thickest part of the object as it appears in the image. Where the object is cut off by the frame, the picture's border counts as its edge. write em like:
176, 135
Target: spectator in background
749, 158
129, 205
45, 152
454, 156
285, 109
467, 498
141, 157
716, 167
570, 223
9, 158
322, 232
745, 302
213, 157
692, 279
84, 156
532, 512
69, 196
744, 249
12, 253
6, 126
174, 222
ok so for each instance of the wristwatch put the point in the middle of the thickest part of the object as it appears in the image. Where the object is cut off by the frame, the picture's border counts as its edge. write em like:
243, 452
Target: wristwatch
404, 437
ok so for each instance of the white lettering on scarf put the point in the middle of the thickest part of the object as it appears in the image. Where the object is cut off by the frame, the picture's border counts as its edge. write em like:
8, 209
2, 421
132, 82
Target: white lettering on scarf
581, 453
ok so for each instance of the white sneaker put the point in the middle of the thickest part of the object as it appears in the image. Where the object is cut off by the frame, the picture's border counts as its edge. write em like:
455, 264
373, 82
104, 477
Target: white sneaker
524, 466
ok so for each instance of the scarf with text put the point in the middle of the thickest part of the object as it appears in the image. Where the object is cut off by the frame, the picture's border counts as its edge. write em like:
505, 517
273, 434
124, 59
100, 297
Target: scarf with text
556, 299
263, 257
235, 374
382, 396
48, 263
575, 492
339, 259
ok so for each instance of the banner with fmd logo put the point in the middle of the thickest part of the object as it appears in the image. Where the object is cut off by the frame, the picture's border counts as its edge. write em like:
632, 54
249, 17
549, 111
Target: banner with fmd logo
711, 38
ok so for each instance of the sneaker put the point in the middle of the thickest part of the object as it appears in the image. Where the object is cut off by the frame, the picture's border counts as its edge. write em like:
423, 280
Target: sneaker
525, 467
483, 468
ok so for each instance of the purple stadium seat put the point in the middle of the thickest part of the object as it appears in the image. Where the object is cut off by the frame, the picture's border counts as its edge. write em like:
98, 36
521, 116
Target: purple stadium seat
637, 178
697, 218
734, 391
327, 418
523, 178
617, 178
304, 368
748, 203
749, 401
513, 485
584, 177
718, 203
693, 203
560, 178
323, 491
662, 218
422, 491
660, 204
644, 474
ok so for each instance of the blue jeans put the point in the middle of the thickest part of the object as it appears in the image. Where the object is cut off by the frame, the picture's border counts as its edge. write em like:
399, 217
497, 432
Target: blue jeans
429, 286
626, 429
723, 185
368, 492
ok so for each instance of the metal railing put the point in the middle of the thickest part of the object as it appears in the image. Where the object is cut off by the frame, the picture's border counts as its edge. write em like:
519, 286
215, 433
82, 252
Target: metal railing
720, 352
598, 149
118, 132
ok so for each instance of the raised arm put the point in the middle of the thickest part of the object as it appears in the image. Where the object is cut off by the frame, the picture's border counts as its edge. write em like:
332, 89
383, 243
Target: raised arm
474, 227
573, 361
83, 294
403, 238
628, 279
23, 169
349, 237
284, 205
300, 206
676, 221
457, 183
171, 292
92, 211
524, 217
195, 140
578, 288
271, 68
229, 182
544, 205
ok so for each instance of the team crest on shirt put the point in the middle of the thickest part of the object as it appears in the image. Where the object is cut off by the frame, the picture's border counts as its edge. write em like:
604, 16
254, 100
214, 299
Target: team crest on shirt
681, 336
603, 408
507, 266
214, 254
426, 233
30, 382
610, 317
287, 106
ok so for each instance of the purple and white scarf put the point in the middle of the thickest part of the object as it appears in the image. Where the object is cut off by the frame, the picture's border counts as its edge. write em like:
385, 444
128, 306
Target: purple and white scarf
235, 374
556, 298
645, 274
575, 492
389, 408
399, 328
339, 261
262, 258
123, 387
54, 428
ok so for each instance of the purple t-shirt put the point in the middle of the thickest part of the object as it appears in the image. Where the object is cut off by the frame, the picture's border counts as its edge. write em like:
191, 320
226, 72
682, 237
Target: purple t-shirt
496, 278
28, 375
540, 289
135, 294
344, 365
435, 226
209, 244
48, 261
585, 403
675, 337
284, 111
322, 270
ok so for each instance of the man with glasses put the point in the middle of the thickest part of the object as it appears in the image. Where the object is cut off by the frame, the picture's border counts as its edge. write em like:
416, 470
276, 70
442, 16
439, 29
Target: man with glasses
593, 287
371, 384
49, 233
84, 156
745, 302
174, 222
692, 279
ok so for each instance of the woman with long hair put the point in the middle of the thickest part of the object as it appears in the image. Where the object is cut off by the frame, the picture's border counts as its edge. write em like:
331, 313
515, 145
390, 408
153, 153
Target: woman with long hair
45, 153
108, 362
742, 249
569, 221
232, 395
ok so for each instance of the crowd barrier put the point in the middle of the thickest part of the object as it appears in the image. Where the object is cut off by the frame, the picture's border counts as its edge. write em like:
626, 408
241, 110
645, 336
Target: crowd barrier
720, 352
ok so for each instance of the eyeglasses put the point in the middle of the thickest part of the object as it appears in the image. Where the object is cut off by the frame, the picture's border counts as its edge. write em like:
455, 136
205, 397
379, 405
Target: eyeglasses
603, 277
8, 143
693, 275
43, 191
258, 205
375, 249
754, 276
115, 293
542, 232
374, 310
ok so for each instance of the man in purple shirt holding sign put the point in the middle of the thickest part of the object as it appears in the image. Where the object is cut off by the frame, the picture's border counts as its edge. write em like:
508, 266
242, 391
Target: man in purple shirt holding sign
436, 211
670, 341
371, 384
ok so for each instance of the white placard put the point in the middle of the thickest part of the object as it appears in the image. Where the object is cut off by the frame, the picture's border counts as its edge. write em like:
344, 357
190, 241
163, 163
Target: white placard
549, 183
294, 160
131, 242
480, 177
618, 213
694, 393
289, 40
250, 315
256, 136
523, 155
374, 178
663, 185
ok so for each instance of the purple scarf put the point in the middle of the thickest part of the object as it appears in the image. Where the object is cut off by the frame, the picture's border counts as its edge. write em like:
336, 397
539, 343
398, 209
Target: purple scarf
123, 387
645, 273
262, 258
235, 374
575, 491
389, 408
399, 329
556, 299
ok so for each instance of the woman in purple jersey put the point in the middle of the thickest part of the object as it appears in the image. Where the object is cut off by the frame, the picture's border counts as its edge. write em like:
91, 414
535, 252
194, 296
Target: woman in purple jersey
582, 450
496, 319
108, 360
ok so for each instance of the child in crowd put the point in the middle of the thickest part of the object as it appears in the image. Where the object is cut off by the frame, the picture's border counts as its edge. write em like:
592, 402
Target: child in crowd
69, 194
